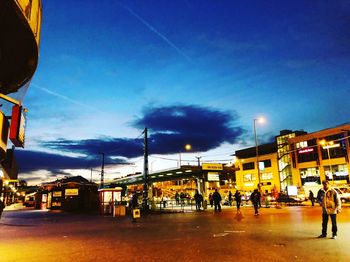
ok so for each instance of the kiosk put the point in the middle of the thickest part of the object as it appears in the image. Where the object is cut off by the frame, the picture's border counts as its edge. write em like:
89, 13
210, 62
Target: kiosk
111, 202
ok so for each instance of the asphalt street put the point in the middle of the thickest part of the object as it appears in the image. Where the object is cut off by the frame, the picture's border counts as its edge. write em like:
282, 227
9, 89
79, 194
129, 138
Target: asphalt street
287, 234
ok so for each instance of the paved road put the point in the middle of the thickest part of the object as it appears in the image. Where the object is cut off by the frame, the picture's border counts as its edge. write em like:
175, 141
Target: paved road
287, 234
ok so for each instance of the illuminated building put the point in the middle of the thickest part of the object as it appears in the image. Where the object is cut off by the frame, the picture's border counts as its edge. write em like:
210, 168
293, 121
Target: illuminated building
297, 158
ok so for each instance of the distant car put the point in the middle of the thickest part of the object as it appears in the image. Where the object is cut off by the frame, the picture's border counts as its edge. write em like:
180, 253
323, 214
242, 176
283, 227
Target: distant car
344, 193
282, 198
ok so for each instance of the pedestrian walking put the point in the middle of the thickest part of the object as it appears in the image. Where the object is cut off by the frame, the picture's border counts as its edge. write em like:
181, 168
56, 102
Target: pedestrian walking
259, 198
238, 198
254, 197
211, 200
199, 199
2, 206
134, 204
329, 199
229, 198
217, 199
177, 198
311, 197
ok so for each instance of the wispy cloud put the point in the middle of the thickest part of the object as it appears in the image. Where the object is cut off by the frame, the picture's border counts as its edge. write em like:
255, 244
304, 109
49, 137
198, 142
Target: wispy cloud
154, 30
70, 100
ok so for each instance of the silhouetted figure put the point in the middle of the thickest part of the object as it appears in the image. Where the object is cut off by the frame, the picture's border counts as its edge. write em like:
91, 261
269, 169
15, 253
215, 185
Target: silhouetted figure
211, 201
2, 206
229, 198
177, 198
254, 197
217, 199
238, 198
312, 198
198, 198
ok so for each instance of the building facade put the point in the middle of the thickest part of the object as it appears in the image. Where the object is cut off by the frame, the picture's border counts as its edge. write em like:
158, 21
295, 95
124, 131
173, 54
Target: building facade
296, 158
247, 175
321, 155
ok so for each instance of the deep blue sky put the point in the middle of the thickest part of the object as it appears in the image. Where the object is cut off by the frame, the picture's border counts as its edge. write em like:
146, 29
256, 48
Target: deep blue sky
194, 72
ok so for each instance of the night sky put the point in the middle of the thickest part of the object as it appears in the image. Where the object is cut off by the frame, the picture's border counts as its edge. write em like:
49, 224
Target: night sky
192, 72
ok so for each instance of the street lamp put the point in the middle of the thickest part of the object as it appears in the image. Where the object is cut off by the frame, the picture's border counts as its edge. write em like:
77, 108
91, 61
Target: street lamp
260, 120
326, 145
188, 147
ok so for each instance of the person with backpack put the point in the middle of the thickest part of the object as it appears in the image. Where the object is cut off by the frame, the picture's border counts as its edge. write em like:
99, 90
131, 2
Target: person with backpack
217, 199
255, 198
238, 198
329, 199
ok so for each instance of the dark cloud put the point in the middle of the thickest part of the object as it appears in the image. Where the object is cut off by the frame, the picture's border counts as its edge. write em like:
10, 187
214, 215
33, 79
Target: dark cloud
33, 160
170, 129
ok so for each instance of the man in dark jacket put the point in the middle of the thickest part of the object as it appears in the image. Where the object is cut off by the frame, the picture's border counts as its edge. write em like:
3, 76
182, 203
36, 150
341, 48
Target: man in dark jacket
217, 200
254, 197
2, 206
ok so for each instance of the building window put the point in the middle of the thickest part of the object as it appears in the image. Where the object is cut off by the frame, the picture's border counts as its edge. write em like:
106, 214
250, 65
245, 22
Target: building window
248, 166
266, 176
265, 163
301, 144
310, 175
248, 177
336, 172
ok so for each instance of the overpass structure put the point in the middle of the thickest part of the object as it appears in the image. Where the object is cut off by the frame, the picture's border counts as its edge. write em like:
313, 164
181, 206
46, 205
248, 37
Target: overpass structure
215, 173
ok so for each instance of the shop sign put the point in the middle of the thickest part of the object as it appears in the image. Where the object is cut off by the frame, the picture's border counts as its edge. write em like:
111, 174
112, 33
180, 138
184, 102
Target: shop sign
56, 204
71, 192
213, 176
212, 166
17, 127
57, 193
306, 150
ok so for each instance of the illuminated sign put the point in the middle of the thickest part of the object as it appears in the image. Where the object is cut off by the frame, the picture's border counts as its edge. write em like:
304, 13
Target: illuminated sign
57, 193
212, 166
213, 176
4, 130
17, 127
331, 146
56, 204
306, 150
71, 192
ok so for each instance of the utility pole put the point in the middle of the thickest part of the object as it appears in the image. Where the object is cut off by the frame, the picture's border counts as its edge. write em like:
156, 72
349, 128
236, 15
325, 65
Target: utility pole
198, 158
145, 173
102, 170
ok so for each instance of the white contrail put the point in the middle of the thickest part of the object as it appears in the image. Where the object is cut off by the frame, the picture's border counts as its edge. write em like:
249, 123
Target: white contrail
65, 98
150, 27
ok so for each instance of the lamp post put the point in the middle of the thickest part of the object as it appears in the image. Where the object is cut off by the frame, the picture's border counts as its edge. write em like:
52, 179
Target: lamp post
326, 145
260, 120
188, 147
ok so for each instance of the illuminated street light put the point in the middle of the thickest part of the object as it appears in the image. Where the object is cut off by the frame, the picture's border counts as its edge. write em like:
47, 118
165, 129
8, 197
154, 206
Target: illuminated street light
327, 145
188, 147
260, 120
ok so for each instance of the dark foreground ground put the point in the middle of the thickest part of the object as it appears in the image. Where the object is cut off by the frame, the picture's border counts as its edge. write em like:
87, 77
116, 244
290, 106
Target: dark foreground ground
287, 234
